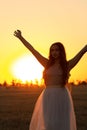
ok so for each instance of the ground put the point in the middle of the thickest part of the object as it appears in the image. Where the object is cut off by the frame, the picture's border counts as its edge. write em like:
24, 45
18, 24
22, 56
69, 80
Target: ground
16, 106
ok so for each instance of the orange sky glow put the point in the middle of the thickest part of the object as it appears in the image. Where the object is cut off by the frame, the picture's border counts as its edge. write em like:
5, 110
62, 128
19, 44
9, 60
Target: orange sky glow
42, 22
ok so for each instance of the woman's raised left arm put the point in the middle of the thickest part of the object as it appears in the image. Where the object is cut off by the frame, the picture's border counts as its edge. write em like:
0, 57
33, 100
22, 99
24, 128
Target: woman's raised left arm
75, 60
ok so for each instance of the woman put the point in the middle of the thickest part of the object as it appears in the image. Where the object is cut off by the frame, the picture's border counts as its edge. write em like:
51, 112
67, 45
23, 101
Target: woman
54, 107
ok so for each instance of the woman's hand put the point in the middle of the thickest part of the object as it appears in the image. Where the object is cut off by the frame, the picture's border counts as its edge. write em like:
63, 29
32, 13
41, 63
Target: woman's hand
17, 34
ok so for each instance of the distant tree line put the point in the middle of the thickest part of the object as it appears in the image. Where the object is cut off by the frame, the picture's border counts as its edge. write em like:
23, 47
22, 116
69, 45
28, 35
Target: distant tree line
15, 83
19, 83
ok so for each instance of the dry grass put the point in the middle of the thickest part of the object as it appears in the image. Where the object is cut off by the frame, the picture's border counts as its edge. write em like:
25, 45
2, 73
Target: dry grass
16, 106
79, 95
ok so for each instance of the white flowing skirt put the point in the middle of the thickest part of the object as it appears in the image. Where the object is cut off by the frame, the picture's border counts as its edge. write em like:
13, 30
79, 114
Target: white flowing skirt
53, 111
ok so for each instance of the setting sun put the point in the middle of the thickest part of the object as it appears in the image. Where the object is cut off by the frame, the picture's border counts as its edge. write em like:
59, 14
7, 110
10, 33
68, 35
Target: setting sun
27, 68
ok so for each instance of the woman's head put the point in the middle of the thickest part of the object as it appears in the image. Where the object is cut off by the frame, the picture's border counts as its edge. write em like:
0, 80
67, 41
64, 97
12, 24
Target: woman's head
57, 51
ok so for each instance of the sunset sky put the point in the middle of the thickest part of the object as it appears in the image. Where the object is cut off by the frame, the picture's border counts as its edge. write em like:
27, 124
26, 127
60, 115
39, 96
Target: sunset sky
42, 22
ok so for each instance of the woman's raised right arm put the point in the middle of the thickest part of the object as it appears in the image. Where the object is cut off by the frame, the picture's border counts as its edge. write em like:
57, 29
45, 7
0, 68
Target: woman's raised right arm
38, 56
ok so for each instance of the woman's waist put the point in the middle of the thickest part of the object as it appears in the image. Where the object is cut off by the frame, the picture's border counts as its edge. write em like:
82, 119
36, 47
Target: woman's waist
55, 86
54, 81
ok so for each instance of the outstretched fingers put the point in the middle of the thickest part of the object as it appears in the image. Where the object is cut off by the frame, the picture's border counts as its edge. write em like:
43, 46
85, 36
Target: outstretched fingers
17, 33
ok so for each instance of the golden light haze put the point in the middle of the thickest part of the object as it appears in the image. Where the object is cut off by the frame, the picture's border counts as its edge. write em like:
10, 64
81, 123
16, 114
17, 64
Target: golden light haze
42, 22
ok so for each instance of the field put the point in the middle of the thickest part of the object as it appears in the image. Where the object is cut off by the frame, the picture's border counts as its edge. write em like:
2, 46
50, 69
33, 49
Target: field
16, 107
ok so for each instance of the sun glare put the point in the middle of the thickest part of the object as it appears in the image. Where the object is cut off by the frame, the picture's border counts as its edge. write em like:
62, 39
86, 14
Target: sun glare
27, 68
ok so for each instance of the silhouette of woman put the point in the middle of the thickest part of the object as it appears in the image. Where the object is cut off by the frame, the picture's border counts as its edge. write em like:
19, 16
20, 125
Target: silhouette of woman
54, 108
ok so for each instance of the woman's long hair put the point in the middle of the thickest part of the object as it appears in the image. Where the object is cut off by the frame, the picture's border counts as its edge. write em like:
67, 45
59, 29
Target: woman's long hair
62, 61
